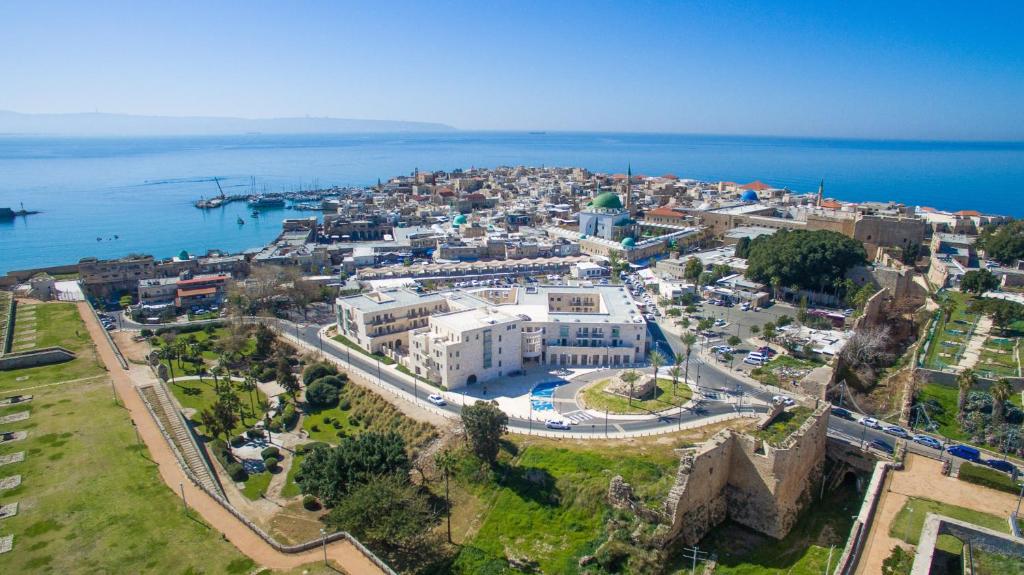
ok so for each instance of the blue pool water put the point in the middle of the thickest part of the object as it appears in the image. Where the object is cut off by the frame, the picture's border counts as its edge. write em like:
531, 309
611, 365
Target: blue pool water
541, 395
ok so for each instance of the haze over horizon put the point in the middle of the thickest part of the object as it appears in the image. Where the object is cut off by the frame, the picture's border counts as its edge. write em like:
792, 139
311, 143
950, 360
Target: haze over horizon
868, 70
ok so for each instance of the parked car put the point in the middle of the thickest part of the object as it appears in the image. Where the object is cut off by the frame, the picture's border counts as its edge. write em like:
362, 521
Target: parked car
897, 431
843, 413
436, 399
1001, 465
965, 452
784, 399
766, 351
755, 359
882, 446
558, 423
928, 441
870, 422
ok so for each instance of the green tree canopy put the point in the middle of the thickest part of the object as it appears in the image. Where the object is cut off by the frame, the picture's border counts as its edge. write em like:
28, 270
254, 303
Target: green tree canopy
484, 423
331, 473
388, 511
979, 281
742, 249
321, 393
317, 370
802, 258
693, 269
1003, 312
1003, 242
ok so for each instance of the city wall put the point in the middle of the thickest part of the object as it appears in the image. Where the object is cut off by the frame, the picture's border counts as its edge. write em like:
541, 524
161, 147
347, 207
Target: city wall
35, 358
743, 478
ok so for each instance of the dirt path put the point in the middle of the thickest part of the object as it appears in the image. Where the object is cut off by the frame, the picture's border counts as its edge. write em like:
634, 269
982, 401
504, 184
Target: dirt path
342, 553
922, 477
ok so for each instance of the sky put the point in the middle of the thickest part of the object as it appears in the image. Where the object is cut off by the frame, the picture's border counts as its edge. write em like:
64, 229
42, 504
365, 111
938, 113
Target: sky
865, 69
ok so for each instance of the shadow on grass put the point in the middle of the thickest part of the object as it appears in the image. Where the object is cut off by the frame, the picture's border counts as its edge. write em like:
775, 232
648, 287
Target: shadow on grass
530, 483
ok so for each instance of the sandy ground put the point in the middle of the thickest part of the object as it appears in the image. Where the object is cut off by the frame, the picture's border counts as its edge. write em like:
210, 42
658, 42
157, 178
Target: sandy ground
922, 477
342, 553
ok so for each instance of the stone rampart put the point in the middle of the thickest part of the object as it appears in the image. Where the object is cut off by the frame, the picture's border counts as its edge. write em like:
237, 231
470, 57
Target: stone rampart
35, 358
748, 480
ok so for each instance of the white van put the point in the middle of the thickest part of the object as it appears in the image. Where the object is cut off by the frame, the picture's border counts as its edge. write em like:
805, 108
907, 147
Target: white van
755, 358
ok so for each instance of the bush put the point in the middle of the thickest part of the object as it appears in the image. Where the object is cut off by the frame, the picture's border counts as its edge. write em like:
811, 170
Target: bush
332, 380
310, 503
275, 426
307, 447
316, 371
328, 420
314, 428
146, 332
986, 477
271, 451
254, 433
345, 404
237, 441
236, 472
321, 393
289, 416
270, 463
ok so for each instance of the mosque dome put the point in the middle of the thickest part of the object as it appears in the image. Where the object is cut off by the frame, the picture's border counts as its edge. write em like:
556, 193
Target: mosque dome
608, 201
628, 242
583, 236
183, 255
459, 220
749, 196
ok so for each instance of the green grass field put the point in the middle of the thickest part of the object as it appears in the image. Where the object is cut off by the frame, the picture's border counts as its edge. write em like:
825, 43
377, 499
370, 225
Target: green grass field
784, 425
90, 500
355, 347
945, 418
549, 506
942, 354
782, 369
200, 395
368, 412
908, 522
595, 398
257, 484
804, 551
56, 324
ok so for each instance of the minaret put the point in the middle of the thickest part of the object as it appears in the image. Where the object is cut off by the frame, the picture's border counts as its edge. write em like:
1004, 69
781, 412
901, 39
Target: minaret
629, 181
821, 191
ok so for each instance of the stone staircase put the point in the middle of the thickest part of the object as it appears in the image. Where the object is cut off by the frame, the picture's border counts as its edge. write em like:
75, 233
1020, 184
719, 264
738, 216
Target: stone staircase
182, 441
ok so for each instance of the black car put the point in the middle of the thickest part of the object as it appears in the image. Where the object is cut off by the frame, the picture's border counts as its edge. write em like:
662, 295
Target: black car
843, 413
882, 446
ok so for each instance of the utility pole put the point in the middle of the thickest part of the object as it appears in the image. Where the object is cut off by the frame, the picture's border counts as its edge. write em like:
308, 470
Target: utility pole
694, 555
323, 537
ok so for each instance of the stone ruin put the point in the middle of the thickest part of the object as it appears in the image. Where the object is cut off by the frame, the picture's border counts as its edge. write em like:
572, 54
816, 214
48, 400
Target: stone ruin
642, 387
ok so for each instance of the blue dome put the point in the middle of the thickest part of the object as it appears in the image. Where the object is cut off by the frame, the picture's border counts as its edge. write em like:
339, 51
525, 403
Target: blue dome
749, 196
459, 220
628, 242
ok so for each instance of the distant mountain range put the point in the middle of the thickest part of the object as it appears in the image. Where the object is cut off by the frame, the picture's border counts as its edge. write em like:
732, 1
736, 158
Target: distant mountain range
97, 124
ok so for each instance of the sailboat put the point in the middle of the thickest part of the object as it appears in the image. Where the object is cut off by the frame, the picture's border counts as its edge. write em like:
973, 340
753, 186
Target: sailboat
241, 222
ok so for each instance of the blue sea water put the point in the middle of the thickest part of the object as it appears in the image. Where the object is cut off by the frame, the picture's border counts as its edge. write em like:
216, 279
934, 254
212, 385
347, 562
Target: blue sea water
142, 189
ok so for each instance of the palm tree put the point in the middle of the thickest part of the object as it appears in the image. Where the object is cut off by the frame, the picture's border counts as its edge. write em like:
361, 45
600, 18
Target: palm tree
212, 424
688, 340
964, 381
445, 463
630, 378
168, 354
676, 372
1000, 392
657, 360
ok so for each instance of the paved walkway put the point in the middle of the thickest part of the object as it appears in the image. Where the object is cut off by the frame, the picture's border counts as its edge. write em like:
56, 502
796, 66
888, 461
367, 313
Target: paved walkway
342, 552
972, 353
922, 477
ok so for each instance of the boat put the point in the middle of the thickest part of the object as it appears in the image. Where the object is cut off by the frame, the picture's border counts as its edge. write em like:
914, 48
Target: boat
241, 222
266, 202
255, 214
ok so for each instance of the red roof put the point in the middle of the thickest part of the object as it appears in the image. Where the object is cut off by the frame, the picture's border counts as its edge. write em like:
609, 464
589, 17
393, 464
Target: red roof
831, 204
756, 185
967, 213
200, 291
926, 209
665, 212
195, 281
670, 177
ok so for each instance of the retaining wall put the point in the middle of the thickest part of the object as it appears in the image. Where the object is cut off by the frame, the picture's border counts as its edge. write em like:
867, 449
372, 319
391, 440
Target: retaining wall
35, 358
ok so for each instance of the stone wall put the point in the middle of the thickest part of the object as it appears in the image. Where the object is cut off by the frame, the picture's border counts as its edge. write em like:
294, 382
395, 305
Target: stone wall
35, 358
740, 477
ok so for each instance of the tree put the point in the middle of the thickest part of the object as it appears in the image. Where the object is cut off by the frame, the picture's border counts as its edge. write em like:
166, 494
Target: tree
1003, 242
801, 312
688, 341
1003, 312
329, 473
213, 426
321, 393
657, 360
965, 381
630, 378
742, 248
285, 377
1000, 392
445, 461
705, 324
226, 412
675, 372
979, 282
693, 269
734, 340
803, 258
768, 330
315, 371
484, 423
387, 512
755, 329
264, 341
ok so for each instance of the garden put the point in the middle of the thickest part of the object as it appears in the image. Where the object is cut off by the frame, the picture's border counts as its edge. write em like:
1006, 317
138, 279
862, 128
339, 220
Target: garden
951, 330
936, 410
783, 369
666, 395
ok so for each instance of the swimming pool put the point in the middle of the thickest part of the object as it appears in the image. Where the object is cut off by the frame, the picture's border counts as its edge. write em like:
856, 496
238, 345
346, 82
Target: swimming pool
542, 393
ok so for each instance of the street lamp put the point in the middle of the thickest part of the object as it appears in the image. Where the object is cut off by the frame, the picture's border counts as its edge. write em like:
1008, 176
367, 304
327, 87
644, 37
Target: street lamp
323, 536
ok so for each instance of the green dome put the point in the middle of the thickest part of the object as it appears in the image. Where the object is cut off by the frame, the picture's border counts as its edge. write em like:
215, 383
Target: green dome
183, 255
608, 201
583, 236
459, 220
628, 242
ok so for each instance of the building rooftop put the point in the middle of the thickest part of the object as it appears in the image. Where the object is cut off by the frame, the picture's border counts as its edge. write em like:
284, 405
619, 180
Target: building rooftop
386, 299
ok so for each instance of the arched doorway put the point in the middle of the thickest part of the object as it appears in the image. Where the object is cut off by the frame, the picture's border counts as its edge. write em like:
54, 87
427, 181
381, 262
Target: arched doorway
471, 379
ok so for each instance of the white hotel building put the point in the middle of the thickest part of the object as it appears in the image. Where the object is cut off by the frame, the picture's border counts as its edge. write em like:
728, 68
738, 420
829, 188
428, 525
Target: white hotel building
464, 337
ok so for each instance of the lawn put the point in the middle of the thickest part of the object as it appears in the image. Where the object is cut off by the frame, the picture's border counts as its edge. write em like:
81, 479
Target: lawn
805, 551
319, 429
206, 340
257, 484
200, 395
945, 417
595, 398
945, 347
368, 411
354, 346
90, 500
992, 564
908, 522
783, 368
291, 489
784, 425
57, 324
548, 505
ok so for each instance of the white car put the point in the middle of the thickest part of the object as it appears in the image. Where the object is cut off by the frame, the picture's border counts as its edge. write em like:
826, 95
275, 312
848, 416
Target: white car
783, 399
436, 399
558, 423
870, 422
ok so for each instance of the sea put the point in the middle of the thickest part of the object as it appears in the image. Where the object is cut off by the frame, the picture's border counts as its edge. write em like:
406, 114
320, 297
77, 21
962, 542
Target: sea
108, 197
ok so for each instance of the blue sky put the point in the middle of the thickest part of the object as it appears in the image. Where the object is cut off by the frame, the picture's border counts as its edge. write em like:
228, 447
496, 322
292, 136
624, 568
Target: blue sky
912, 70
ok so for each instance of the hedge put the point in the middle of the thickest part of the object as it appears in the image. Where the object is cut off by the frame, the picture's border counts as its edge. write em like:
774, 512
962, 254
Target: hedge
310, 503
271, 451
237, 472
986, 477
